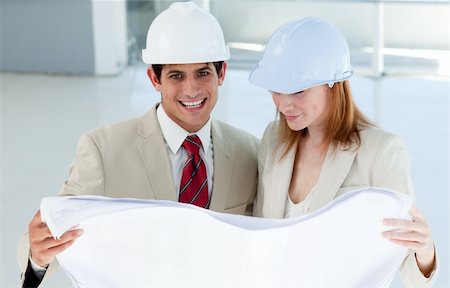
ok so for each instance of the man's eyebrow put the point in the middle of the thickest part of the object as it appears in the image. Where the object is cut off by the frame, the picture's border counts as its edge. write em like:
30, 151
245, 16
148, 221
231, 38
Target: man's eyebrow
204, 68
175, 71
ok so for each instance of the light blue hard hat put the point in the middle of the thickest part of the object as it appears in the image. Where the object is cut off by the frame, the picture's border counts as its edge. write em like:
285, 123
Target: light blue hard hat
301, 54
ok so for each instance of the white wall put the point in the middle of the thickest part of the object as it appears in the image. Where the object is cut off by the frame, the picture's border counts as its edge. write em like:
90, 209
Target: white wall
110, 36
69, 37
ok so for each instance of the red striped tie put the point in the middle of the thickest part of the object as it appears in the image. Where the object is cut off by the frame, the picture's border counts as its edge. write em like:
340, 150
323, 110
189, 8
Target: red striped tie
194, 182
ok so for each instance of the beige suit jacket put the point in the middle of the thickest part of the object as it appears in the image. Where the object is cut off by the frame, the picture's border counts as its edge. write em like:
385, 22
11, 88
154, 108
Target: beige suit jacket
380, 161
129, 159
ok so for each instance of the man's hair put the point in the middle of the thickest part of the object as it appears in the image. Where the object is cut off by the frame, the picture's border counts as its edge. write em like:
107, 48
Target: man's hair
157, 68
344, 122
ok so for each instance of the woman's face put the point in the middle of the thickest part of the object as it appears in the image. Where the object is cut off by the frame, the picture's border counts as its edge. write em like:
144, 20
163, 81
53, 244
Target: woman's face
308, 108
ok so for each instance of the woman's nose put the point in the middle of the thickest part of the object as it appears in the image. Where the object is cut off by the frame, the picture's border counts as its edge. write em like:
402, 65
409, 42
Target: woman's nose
285, 103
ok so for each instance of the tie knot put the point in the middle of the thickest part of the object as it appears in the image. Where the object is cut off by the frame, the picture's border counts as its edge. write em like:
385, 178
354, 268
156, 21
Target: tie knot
192, 144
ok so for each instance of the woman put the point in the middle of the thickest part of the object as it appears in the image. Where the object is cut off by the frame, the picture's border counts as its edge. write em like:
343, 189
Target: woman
322, 146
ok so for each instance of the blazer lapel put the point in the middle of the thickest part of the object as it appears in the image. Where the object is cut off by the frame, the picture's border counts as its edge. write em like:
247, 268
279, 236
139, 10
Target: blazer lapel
223, 165
332, 175
276, 184
154, 157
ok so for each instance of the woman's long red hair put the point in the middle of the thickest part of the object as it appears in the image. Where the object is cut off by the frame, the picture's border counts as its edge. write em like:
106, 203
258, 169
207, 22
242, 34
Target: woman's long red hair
344, 122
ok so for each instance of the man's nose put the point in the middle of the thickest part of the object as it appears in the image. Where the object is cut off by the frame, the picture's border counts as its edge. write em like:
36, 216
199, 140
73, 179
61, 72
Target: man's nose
191, 87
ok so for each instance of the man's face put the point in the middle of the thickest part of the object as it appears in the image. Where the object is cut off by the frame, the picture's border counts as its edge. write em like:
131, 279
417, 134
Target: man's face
188, 92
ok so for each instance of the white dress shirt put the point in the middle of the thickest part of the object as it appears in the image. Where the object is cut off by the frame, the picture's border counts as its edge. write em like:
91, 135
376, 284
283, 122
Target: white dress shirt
174, 136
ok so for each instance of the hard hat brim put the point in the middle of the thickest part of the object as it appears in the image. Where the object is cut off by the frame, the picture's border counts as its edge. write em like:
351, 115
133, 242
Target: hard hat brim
263, 80
149, 57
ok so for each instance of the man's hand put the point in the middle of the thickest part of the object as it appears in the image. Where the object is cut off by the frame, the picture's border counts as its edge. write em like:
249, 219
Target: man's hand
43, 246
415, 235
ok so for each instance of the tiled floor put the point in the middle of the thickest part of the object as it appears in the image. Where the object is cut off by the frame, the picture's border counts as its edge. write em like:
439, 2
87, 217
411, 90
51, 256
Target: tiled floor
42, 117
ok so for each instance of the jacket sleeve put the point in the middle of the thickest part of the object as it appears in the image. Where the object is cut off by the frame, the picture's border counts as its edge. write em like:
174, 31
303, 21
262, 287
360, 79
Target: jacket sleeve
86, 174
27, 277
392, 170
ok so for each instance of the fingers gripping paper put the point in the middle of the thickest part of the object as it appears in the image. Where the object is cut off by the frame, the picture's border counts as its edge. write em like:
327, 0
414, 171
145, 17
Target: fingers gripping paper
149, 243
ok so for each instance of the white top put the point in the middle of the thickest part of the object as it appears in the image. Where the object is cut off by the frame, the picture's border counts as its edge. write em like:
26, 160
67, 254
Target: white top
297, 209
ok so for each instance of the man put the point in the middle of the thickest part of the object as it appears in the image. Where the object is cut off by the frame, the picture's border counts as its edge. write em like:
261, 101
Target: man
174, 152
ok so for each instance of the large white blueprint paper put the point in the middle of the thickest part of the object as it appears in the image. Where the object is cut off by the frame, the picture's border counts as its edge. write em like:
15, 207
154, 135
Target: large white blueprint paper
149, 243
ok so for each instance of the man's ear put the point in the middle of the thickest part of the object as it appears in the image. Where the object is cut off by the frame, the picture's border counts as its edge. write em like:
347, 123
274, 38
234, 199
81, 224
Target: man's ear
222, 73
152, 76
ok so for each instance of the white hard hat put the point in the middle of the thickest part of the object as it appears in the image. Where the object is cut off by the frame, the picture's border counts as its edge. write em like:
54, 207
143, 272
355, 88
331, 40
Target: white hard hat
302, 54
185, 33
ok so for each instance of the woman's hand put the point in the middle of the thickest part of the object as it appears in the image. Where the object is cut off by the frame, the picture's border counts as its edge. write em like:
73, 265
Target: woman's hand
414, 234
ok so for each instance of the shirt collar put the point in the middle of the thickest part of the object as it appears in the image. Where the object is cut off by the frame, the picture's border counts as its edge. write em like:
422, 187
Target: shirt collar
175, 135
